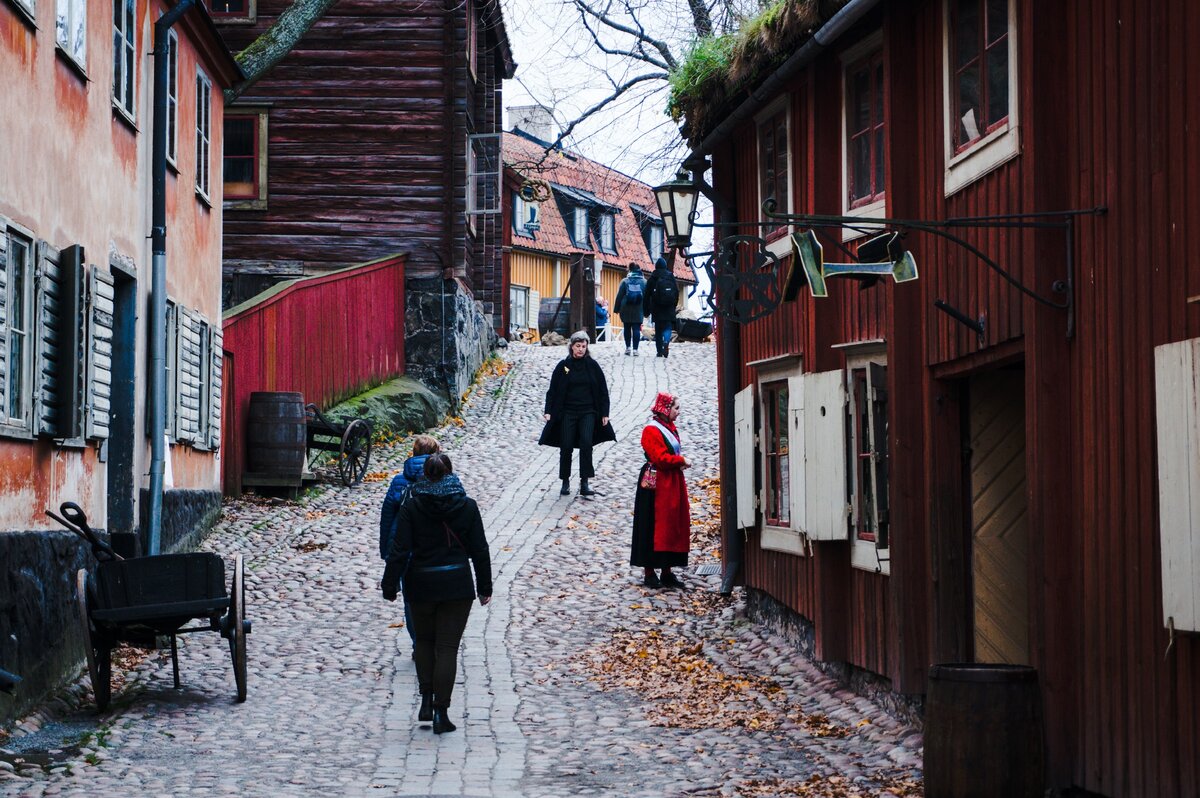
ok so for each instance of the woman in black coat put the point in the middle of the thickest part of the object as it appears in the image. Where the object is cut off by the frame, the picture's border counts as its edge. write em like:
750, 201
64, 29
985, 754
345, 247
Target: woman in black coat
576, 413
439, 536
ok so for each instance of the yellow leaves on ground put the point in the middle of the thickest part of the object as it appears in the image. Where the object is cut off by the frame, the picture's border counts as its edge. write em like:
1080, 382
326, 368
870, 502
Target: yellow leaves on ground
817, 786
378, 476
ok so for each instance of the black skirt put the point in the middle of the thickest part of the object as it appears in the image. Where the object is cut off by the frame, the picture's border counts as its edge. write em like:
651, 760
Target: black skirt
641, 551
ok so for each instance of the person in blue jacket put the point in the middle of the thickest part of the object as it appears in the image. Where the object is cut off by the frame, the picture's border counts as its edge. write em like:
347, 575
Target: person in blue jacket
413, 472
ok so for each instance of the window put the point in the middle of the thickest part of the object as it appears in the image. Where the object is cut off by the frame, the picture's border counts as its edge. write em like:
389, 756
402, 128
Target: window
654, 238
980, 88
773, 173
124, 57
483, 174
70, 27
203, 133
867, 468
472, 39
29, 7
775, 450
607, 237
865, 132
172, 95
204, 383
239, 165
518, 307
526, 216
579, 233
225, 10
17, 327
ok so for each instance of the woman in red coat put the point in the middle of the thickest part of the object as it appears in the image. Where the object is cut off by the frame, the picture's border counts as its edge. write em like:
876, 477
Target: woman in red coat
662, 517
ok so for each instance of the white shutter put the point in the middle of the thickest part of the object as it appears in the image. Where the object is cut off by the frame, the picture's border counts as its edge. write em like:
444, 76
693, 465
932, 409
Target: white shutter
827, 510
217, 355
797, 487
531, 309
100, 352
47, 350
3, 317
1177, 398
188, 362
744, 456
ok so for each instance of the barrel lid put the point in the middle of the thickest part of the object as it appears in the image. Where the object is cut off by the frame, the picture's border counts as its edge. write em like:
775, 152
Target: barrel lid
982, 672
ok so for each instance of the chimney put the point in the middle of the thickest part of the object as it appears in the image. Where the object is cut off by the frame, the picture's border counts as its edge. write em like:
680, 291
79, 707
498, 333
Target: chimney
536, 120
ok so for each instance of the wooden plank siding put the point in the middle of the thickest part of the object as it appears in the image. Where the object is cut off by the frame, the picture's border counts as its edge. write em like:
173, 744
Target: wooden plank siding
1108, 116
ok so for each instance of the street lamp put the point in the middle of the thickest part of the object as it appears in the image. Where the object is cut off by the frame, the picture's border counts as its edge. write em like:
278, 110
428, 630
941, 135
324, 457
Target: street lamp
677, 205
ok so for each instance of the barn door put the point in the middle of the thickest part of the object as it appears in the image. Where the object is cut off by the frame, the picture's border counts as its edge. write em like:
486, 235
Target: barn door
999, 531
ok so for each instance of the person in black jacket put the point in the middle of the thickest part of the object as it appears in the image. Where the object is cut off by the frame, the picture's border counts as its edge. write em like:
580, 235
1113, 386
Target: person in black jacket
439, 536
576, 413
662, 301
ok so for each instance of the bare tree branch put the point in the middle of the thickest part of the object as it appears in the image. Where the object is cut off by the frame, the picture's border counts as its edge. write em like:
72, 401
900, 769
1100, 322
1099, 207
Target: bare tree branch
639, 55
638, 33
700, 18
616, 94
276, 42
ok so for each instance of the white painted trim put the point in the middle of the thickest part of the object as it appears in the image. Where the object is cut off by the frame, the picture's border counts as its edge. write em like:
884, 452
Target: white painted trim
788, 541
999, 146
863, 553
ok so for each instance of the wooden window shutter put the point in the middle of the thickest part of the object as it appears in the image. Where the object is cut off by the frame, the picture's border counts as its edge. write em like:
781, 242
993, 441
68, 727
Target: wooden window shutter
798, 515
828, 510
188, 383
72, 334
1177, 399
745, 456
171, 355
3, 316
879, 449
101, 292
48, 351
532, 308
217, 354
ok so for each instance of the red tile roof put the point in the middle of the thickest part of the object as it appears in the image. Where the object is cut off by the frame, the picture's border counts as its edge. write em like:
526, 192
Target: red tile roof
633, 200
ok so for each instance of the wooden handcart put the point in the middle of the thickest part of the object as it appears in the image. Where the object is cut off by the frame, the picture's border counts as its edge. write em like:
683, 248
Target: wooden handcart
137, 600
351, 442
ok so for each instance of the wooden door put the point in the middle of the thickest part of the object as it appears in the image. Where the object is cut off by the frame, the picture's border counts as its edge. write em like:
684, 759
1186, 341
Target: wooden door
999, 531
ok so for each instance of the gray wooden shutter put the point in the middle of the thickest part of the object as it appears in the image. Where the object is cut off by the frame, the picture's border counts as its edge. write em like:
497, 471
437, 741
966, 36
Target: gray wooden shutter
72, 348
100, 352
745, 454
216, 340
828, 510
171, 355
3, 317
188, 382
47, 352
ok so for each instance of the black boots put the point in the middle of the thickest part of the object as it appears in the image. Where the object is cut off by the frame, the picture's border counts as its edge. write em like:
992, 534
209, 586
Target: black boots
441, 723
425, 713
584, 490
566, 488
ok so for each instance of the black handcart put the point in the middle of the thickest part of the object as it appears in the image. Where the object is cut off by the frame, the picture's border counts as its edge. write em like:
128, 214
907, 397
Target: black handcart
351, 442
135, 601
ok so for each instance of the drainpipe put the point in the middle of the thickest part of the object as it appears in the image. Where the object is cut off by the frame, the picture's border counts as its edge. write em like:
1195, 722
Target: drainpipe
158, 275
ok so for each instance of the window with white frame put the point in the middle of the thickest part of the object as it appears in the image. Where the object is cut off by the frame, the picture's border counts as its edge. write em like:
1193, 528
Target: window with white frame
777, 470
472, 38
232, 10
484, 169
526, 216
579, 231
979, 89
29, 7
777, 458
518, 307
70, 29
124, 57
867, 434
203, 133
608, 242
864, 157
774, 172
172, 96
17, 327
654, 240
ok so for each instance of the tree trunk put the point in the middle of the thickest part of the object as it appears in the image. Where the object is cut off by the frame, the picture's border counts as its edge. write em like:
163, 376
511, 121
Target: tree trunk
276, 42
700, 17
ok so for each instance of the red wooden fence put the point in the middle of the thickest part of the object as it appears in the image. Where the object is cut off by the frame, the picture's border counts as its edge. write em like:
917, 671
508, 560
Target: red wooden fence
328, 337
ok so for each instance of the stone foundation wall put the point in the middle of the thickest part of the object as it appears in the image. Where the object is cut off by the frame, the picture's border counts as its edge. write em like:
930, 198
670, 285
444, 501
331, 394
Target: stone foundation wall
799, 630
447, 335
187, 516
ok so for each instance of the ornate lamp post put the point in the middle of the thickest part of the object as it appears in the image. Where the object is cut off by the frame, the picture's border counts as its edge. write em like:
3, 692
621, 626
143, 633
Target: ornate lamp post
677, 206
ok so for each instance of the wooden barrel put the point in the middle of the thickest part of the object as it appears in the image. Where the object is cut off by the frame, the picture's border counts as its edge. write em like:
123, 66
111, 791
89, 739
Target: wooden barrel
555, 314
276, 434
983, 732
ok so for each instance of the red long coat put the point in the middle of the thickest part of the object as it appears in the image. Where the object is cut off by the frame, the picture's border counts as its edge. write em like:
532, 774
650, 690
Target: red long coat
672, 512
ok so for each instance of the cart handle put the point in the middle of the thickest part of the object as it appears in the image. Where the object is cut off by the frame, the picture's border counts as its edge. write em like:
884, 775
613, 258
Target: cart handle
76, 521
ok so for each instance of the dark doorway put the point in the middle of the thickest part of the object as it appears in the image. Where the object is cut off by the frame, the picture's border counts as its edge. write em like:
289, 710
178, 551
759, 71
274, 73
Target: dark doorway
121, 438
998, 519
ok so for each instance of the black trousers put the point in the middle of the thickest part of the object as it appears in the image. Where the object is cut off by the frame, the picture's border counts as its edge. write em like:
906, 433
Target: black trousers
437, 628
578, 429
633, 332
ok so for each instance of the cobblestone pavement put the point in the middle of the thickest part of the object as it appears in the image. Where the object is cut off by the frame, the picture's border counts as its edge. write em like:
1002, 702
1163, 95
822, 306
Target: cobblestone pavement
332, 690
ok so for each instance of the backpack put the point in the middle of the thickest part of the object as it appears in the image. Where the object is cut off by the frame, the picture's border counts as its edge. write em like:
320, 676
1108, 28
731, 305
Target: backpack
633, 291
666, 292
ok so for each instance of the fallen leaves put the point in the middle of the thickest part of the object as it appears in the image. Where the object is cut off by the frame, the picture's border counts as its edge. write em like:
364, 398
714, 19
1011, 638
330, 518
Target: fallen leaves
817, 786
378, 476
309, 546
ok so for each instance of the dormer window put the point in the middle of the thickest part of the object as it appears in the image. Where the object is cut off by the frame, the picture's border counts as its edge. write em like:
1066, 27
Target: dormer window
654, 240
579, 233
608, 241
527, 218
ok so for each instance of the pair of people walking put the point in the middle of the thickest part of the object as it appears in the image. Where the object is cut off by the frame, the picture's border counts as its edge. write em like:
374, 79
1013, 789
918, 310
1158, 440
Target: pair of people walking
656, 297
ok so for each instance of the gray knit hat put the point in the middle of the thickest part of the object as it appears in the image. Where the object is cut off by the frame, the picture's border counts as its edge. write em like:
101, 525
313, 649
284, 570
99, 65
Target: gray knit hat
579, 336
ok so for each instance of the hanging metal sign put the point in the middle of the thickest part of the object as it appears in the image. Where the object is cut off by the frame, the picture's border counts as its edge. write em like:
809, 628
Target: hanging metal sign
745, 276
901, 265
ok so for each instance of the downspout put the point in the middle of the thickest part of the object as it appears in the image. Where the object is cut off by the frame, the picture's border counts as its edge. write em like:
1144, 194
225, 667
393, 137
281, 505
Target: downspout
158, 274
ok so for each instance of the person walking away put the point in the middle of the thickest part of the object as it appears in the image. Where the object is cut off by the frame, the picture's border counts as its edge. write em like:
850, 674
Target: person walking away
630, 306
576, 413
411, 473
439, 539
601, 319
662, 518
662, 289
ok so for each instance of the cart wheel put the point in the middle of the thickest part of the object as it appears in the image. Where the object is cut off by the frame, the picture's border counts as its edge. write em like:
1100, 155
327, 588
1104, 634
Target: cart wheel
355, 453
237, 634
99, 654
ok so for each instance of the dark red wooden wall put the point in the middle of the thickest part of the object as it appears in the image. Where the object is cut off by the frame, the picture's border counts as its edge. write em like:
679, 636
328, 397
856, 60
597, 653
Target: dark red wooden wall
328, 337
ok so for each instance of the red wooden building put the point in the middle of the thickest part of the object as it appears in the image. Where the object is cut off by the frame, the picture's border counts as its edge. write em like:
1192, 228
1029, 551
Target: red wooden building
377, 134
1011, 487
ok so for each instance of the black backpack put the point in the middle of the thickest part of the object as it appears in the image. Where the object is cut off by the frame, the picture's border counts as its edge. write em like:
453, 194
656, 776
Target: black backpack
666, 292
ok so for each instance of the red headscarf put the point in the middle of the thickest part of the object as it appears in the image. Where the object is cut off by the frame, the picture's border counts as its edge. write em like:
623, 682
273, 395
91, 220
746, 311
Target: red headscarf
662, 404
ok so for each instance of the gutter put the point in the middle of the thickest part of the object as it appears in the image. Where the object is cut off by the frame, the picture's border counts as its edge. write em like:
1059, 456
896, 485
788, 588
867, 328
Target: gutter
158, 278
834, 27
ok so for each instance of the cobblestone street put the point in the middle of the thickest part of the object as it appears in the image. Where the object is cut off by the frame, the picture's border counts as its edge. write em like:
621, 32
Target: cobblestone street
543, 705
